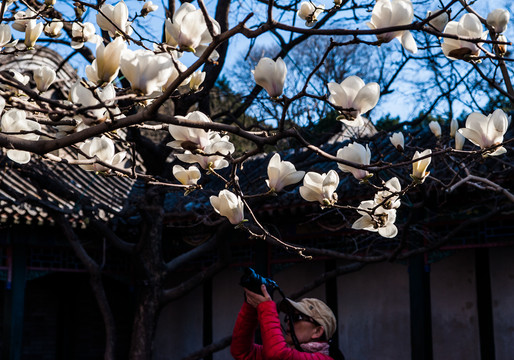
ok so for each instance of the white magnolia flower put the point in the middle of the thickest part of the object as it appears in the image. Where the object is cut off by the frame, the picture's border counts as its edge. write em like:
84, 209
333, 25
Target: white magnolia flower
32, 32
196, 80
419, 168
398, 140
84, 97
44, 77
105, 67
282, 173
176, 69
114, 19
454, 126
459, 141
22, 18
103, 149
486, 131
389, 198
188, 29
271, 75
229, 205
498, 19
81, 33
5, 35
440, 21
435, 128
213, 155
13, 122
358, 154
146, 71
148, 7
24, 79
380, 220
53, 28
187, 177
354, 97
190, 138
469, 26
320, 188
310, 12
387, 13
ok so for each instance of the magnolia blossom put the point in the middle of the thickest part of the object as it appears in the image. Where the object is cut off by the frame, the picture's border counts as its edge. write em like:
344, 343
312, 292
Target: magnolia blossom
114, 19
389, 198
440, 21
502, 47
419, 168
53, 28
24, 79
320, 188
358, 154
212, 156
469, 26
32, 32
387, 13
188, 29
44, 77
103, 149
376, 219
146, 71
196, 80
105, 67
81, 33
190, 138
459, 140
80, 95
148, 7
398, 140
176, 69
435, 128
186, 177
282, 173
13, 122
5, 35
498, 19
229, 205
355, 98
22, 18
271, 75
486, 131
310, 12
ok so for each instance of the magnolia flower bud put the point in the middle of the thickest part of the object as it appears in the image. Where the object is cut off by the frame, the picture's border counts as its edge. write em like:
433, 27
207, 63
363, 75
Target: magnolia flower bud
196, 80
24, 79
271, 75
338, 2
282, 173
53, 28
50, 2
454, 126
114, 19
387, 13
435, 128
459, 140
32, 32
419, 168
186, 177
502, 48
310, 12
487, 131
44, 77
358, 154
148, 7
398, 140
439, 22
229, 205
498, 19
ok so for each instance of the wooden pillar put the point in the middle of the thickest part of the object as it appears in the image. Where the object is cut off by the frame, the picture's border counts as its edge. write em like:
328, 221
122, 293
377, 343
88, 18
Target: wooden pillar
14, 302
484, 304
420, 311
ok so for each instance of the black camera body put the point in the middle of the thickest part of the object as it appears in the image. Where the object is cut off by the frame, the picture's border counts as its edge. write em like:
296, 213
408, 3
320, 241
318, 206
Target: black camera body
253, 281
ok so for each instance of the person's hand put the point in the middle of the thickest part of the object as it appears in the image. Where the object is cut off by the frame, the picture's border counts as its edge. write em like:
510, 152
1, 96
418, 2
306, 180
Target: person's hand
255, 299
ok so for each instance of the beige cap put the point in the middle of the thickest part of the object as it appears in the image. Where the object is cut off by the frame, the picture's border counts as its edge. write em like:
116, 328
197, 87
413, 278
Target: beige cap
316, 309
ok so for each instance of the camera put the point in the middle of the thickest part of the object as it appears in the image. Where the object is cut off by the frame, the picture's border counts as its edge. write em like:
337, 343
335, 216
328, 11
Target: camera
253, 281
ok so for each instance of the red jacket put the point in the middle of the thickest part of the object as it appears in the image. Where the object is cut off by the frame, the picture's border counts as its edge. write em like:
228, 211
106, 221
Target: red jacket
274, 346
